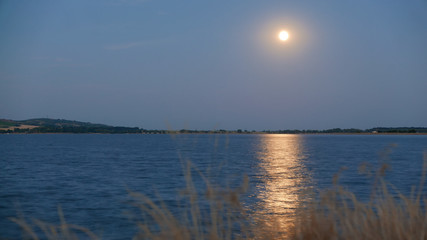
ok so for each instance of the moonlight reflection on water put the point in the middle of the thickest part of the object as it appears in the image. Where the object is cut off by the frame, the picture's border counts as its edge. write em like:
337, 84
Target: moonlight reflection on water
285, 182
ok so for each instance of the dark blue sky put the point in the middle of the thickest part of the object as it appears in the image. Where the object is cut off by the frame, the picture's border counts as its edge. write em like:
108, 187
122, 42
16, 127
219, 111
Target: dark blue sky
161, 64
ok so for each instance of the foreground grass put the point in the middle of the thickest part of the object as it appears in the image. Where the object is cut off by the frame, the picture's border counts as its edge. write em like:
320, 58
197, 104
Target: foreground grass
388, 215
337, 214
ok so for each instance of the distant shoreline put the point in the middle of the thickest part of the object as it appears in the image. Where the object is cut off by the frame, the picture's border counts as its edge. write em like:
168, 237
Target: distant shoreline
61, 126
211, 133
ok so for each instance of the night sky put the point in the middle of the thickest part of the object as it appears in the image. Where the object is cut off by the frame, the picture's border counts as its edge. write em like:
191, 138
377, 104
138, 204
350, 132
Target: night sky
167, 64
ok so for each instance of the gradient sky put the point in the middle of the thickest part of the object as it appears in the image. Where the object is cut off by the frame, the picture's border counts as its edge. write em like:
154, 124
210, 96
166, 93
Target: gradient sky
166, 64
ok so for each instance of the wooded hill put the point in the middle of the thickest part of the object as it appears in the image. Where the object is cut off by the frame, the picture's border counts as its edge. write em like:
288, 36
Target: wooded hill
47, 125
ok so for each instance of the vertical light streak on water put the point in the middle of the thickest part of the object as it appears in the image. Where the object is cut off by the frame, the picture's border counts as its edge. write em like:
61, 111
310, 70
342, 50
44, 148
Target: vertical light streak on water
285, 180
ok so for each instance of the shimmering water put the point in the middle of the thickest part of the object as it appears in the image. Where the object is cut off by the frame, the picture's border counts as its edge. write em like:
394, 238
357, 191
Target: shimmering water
89, 175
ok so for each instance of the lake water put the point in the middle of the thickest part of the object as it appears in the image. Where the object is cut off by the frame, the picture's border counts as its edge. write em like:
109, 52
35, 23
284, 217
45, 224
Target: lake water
89, 175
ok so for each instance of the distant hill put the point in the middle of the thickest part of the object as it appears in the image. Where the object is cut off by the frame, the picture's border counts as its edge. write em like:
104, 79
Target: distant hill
59, 122
47, 125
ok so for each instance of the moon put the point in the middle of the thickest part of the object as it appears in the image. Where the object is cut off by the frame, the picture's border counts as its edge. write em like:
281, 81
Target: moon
283, 35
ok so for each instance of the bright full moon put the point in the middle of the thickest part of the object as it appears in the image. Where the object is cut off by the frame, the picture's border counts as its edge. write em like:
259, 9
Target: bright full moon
283, 35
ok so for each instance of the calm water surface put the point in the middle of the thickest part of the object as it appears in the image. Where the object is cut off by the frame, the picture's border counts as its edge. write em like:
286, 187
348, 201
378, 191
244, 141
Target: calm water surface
89, 175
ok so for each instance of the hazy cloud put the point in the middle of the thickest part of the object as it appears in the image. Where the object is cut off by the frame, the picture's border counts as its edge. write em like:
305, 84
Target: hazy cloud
60, 59
125, 45
127, 2
135, 44
162, 13
51, 59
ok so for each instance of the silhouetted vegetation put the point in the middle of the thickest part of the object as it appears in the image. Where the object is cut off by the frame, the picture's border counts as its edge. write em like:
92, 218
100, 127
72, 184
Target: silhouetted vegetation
47, 125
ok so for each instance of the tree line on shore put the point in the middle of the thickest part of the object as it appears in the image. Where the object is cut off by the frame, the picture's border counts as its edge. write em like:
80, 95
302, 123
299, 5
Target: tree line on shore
46, 125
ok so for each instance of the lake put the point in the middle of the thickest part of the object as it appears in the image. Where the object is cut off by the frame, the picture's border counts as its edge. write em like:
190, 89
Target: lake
89, 176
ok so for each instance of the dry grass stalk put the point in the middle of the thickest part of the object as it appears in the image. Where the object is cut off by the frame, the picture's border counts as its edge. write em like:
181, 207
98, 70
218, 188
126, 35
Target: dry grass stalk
224, 216
63, 231
340, 215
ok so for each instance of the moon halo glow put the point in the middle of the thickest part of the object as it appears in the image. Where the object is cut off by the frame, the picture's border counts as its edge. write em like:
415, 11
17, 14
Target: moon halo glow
283, 35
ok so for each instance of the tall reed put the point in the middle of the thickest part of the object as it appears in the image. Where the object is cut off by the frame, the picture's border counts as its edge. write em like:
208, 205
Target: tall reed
389, 214
224, 218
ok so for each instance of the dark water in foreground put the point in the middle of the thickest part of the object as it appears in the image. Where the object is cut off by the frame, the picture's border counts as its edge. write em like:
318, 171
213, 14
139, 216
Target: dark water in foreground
88, 175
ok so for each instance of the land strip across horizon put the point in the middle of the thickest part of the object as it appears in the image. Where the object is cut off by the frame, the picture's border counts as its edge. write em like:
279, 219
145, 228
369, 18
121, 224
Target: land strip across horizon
48, 125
